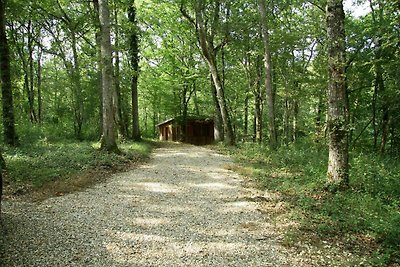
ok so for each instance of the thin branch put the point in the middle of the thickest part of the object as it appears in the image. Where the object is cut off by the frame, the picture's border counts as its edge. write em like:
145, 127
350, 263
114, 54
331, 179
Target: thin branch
317, 6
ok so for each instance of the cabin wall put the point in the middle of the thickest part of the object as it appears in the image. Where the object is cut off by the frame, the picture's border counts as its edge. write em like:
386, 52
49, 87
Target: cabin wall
197, 132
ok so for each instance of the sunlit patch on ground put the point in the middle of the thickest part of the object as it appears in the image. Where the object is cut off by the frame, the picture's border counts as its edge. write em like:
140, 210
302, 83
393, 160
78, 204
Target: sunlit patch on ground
212, 186
158, 187
149, 222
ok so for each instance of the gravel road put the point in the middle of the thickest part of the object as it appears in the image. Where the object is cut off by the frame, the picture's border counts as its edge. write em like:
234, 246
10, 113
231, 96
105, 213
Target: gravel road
182, 208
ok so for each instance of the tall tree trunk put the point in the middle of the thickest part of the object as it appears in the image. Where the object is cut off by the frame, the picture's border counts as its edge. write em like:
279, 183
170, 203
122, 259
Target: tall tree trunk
286, 121
258, 104
218, 126
273, 138
134, 58
30, 70
379, 86
108, 140
77, 88
119, 116
337, 122
10, 136
209, 54
99, 68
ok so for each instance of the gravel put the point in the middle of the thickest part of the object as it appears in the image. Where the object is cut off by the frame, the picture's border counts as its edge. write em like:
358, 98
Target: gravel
182, 208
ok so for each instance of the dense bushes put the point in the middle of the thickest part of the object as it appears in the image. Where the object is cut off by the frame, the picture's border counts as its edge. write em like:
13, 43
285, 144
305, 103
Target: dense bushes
369, 209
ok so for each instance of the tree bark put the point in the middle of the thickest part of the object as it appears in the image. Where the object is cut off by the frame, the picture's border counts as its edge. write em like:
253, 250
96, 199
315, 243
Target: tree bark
218, 126
77, 88
99, 68
209, 53
119, 116
108, 140
10, 136
273, 138
30, 71
134, 58
337, 121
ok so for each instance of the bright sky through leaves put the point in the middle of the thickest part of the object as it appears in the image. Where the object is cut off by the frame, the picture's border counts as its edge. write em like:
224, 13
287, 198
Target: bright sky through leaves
357, 10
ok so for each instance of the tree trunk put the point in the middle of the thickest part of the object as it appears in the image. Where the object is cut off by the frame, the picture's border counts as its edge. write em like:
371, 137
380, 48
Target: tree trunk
379, 86
99, 68
337, 122
286, 121
10, 136
118, 101
218, 127
30, 71
209, 54
258, 104
273, 138
108, 140
77, 88
134, 58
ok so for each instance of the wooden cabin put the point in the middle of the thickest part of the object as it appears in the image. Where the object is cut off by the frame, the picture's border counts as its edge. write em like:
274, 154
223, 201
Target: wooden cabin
198, 131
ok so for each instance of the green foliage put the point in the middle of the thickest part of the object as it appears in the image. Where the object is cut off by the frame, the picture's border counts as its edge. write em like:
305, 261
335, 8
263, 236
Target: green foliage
41, 159
369, 209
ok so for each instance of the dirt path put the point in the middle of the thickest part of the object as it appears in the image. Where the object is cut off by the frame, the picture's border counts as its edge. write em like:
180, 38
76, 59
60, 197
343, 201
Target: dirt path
183, 208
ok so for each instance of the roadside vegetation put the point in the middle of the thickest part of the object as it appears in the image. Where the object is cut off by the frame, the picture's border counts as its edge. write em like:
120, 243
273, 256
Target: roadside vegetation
364, 219
55, 165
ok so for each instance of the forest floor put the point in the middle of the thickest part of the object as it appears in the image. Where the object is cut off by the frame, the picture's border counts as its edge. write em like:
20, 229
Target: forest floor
184, 207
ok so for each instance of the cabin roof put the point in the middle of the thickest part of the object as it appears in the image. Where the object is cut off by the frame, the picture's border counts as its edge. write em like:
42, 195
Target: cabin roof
189, 118
166, 121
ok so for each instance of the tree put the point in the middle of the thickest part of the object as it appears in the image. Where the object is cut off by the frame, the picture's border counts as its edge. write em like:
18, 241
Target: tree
337, 121
206, 35
134, 59
273, 138
108, 140
10, 136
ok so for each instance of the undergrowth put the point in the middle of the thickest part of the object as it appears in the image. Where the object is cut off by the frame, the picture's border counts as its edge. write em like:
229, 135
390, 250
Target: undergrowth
40, 161
366, 217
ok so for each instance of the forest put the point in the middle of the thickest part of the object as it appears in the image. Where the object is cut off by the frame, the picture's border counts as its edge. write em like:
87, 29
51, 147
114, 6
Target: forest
305, 95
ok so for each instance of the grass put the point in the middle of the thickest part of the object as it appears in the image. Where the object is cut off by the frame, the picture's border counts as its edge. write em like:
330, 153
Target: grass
42, 168
365, 219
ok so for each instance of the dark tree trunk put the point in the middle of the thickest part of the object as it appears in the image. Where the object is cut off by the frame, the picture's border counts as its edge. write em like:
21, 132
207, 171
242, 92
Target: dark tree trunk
99, 68
77, 88
10, 136
258, 105
286, 121
134, 58
31, 88
338, 167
